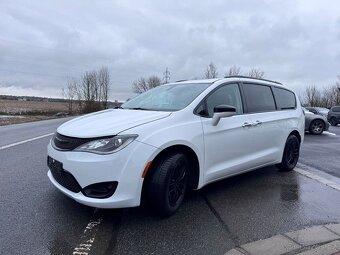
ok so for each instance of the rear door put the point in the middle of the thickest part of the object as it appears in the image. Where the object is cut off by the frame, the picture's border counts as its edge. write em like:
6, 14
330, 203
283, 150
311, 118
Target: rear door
268, 123
336, 112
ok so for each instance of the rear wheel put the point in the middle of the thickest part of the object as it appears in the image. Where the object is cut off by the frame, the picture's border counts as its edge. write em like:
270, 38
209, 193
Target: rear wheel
333, 121
316, 127
290, 154
168, 184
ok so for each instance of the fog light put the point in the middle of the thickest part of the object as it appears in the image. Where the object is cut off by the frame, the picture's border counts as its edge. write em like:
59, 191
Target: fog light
100, 190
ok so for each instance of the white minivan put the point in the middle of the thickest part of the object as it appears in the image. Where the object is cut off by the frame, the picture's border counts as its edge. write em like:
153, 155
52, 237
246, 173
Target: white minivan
174, 137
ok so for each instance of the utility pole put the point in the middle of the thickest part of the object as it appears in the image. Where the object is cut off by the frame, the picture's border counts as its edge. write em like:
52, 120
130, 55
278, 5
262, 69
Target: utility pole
166, 74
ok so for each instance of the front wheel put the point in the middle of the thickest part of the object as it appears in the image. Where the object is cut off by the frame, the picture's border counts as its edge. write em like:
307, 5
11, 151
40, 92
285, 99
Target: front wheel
316, 127
168, 184
290, 154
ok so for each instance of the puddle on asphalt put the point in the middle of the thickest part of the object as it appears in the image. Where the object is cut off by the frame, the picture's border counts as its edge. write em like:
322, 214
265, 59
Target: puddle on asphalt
289, 192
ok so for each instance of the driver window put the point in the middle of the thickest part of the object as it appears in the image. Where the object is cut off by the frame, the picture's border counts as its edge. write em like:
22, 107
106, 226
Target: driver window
227, 95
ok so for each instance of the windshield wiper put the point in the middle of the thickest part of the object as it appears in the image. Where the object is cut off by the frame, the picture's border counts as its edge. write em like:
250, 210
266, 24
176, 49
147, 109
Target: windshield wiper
138, 108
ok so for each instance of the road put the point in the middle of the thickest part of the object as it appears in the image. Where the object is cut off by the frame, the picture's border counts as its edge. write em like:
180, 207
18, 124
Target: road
35, 218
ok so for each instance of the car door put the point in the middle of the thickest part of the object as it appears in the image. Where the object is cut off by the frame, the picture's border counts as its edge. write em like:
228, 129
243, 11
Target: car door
229, 144
336, 112
270, 126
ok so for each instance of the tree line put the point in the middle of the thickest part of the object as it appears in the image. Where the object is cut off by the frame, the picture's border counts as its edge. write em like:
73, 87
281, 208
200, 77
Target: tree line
322, 97
90, 92
143, 84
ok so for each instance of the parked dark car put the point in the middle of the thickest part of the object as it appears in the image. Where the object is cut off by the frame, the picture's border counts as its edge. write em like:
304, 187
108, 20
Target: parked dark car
333, 116
314, 123
318, 110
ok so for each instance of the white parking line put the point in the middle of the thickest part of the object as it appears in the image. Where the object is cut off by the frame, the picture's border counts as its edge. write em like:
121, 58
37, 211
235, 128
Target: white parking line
25, 141
89, 235
317, 178
329, 133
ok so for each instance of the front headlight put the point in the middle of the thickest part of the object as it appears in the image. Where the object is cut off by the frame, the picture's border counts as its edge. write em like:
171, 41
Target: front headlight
107, 145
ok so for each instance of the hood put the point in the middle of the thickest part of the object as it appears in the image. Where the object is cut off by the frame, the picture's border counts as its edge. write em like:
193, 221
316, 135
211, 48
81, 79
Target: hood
311, 116
108, 122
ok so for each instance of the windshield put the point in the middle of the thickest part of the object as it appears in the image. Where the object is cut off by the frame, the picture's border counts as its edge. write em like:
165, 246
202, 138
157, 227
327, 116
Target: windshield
169, 97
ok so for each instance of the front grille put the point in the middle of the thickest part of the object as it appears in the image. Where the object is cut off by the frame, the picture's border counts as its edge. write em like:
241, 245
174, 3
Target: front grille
67, 143
63, 177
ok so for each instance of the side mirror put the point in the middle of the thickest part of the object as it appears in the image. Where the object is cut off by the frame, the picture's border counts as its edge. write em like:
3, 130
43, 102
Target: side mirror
222, 111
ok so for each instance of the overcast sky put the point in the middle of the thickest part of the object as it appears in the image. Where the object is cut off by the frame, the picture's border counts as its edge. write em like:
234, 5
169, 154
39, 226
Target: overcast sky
44, 43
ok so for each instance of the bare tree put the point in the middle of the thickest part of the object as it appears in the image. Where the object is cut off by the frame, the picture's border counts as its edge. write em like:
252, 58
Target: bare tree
337, 85
328, 96
143, 84
211, 71
256, 73
233, 71
104, 85
91, 92
69, 92
312, 96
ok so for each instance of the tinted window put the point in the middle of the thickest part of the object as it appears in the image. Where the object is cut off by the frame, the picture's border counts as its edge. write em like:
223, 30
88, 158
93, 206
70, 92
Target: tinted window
286, 99
259, 98
336, 109
227, 95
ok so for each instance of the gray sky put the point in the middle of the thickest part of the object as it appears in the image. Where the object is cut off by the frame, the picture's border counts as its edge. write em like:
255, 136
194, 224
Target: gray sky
43, 43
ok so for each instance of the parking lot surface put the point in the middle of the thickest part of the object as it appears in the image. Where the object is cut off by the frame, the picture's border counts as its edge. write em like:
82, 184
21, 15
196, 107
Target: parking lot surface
38, 219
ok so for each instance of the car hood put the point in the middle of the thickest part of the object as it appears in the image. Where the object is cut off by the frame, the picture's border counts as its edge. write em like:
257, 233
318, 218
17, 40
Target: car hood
108, 122
312, 116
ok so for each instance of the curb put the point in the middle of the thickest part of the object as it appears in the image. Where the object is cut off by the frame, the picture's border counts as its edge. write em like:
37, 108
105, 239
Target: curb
316, 240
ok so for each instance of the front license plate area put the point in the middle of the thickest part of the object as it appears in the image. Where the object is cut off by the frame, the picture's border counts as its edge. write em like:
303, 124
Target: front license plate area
55, 166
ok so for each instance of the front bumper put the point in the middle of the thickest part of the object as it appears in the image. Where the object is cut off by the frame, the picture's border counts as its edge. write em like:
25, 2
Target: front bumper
125, 167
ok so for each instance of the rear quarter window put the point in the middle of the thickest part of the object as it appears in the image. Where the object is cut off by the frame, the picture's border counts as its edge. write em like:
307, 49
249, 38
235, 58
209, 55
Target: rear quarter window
285, 99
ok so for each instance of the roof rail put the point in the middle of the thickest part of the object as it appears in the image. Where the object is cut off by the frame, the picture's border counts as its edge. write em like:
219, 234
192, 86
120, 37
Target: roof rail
180, 80
242, 76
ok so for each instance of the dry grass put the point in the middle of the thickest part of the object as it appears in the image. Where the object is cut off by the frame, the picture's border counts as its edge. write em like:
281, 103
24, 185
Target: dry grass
32, 107
24, 119
27, 111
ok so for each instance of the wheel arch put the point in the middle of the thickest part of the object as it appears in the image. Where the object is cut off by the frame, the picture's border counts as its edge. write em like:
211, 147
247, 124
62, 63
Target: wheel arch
296, 133
194, 174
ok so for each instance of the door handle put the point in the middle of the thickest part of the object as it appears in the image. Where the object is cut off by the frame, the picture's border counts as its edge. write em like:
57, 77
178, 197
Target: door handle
247, 124
257, 123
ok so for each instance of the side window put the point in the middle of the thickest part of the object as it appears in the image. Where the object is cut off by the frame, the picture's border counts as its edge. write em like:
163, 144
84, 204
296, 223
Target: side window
336, 109
285, 99
259, 98
227, 95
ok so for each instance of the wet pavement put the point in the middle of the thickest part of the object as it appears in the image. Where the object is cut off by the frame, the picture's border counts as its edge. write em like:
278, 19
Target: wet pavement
323, 151
37, 219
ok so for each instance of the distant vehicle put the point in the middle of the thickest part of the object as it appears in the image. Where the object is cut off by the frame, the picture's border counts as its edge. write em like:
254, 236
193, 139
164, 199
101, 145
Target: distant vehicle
334, 115
318, 110
175, 137
315, 123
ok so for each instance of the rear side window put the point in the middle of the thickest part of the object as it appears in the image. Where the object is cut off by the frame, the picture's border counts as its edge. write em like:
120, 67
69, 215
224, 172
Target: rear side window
259, 98
285, 99
336, 109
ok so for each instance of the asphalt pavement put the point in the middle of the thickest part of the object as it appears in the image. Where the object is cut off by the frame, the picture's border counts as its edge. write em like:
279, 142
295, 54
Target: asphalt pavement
35, 218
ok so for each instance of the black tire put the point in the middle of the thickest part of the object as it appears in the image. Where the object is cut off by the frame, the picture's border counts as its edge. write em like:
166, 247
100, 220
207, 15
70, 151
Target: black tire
316, 127
333, 121
168, 184
290, 154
